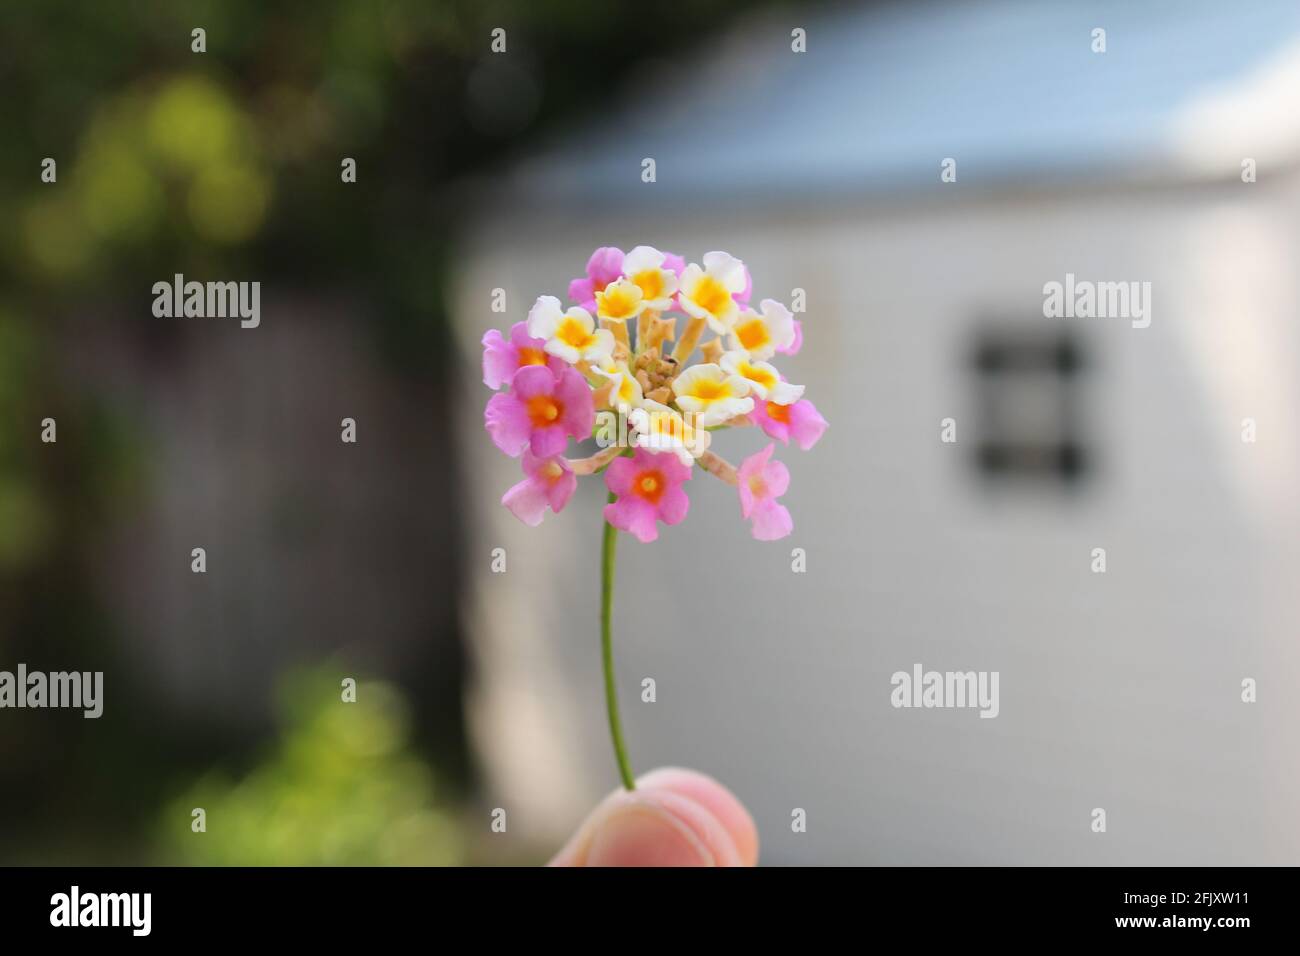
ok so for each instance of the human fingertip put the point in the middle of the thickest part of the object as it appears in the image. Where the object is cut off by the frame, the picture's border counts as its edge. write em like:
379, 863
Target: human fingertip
721, 803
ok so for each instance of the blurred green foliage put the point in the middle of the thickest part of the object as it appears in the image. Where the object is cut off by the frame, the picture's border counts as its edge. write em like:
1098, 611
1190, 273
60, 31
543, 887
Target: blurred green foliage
24, 509
339, 787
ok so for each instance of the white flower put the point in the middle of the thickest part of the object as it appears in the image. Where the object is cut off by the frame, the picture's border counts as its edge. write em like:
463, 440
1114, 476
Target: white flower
707, 293
619, 301
712, 395
644, 266
626, 392
659, 428
761, 335
764, 380
571, 335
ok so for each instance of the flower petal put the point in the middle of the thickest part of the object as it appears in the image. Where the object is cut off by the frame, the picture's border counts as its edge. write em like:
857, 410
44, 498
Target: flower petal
771, 520
527, 501
507, 422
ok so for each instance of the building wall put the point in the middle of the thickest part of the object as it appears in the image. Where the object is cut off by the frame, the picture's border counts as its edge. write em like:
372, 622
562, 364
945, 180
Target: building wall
1118, 690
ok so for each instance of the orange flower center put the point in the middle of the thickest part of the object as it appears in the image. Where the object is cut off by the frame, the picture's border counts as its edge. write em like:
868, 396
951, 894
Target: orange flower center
649, 485
779, 413
544, 410
531, 356
752, 334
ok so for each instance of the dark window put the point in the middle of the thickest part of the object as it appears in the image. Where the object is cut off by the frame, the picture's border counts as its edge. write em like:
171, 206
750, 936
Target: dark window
1028, 384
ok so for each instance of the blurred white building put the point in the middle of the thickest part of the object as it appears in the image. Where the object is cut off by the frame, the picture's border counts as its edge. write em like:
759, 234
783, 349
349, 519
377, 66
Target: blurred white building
822, 170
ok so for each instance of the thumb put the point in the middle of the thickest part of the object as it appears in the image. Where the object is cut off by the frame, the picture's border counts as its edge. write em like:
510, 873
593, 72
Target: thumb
674, 817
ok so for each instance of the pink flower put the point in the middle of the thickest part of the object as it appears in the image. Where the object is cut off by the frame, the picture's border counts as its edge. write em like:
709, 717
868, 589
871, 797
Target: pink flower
540, 411
761, 482
649, 489
743, 295
800, 421
674, 263
547, 482
604, 266
502, 358
794, 347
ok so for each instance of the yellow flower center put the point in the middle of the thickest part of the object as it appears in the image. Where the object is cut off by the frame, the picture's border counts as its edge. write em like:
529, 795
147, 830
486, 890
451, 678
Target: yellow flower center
551, 470
531, 356
707, 390
571, 332
616, 302
669, 425
711, 295
760, 376
758, 486
651, 282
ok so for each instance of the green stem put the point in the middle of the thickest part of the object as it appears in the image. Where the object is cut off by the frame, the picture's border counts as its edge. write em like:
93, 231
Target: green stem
607, 650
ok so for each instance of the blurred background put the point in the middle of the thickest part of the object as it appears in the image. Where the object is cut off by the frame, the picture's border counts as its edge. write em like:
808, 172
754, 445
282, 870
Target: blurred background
180, 434
479, 171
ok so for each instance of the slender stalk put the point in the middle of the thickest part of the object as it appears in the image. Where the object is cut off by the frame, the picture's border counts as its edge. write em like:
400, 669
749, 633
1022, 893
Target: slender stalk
607, 650
690, 338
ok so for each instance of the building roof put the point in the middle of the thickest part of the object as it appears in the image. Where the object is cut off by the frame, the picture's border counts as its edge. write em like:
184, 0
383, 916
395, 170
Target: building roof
1011, 89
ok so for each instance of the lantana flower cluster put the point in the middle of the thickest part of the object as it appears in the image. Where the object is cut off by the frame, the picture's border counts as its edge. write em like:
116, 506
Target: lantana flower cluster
652, 358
